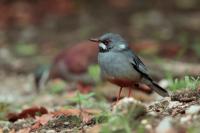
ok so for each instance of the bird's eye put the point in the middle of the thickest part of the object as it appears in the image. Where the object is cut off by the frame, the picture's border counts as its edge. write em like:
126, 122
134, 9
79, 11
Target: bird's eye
106, 42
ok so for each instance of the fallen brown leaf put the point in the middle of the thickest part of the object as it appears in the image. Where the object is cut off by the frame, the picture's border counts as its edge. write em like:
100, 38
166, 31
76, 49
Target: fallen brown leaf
44, 118
30, 112
35, 126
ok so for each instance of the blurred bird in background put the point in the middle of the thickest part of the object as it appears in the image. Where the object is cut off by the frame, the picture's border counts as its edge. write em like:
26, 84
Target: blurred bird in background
70, 65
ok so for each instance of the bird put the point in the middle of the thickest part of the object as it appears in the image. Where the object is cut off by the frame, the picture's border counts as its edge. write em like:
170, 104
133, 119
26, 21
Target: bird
121, 66
71, 64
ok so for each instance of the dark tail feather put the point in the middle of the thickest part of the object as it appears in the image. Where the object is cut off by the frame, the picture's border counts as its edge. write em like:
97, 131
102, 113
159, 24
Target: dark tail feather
152, 84
159, 89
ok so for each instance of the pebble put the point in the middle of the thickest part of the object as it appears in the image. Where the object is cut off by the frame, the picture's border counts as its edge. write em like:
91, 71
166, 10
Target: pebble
144, 121
185, 119
173, 104
165, 126
148, 127
129, 106
194, 109
152, 113
164, 83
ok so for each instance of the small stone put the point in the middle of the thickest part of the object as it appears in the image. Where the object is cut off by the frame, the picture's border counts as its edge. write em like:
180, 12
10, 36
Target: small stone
165, 101
148, 126
6, 130
165, 126
173, 104
152, 113
159, 106
66, 123
144, 122
164, 83
130, 106
50, 131
185, 119
194, 109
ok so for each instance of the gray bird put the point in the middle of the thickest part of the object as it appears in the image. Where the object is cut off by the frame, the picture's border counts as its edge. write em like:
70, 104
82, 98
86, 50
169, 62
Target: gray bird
121, 66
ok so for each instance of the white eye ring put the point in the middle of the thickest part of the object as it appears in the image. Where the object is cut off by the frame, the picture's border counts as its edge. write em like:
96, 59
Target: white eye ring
103, 46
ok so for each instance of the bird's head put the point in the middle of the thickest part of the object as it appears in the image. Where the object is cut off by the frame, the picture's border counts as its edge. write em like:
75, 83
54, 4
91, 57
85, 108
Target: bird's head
110, 42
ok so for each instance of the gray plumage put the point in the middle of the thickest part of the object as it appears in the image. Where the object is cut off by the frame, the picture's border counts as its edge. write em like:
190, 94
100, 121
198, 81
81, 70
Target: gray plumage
117, 61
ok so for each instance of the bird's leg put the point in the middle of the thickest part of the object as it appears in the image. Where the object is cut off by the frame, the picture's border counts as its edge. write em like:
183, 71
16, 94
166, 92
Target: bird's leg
119, 94
118, 97
129, 92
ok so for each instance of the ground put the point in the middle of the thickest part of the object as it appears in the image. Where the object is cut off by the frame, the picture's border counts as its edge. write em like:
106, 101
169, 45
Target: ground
23, 109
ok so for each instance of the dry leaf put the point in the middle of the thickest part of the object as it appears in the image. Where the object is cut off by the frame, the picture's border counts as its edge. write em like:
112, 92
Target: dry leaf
35, 126
44, 118
30, 112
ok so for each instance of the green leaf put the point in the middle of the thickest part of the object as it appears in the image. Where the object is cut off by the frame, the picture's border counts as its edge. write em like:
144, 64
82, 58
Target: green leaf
57, 87
81, 97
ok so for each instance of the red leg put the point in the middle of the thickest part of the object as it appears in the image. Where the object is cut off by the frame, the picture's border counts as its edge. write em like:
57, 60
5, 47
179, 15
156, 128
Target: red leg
129, 92
119, 94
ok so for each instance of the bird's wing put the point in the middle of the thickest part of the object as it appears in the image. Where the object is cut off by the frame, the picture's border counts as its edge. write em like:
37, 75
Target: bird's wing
139, 66
137, 63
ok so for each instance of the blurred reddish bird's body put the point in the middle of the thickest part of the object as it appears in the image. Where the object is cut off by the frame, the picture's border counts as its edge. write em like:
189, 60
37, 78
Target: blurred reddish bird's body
74, 60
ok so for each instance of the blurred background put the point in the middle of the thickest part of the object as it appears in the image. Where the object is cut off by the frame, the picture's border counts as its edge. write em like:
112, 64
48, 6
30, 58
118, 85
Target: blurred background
46, 58
42, 28
33, 34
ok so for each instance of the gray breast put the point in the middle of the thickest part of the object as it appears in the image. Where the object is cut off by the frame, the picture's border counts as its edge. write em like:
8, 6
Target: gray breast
116, 65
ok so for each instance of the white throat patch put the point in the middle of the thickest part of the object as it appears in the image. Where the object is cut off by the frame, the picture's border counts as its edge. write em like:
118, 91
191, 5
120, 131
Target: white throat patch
103, 46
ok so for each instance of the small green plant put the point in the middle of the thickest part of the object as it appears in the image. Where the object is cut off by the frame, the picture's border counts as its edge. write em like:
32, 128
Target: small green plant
82, 97
194, 128
125, 118
140, 129
117, 123
186, 83
83, 100
4, 109
94, 72
88, 101
57, 87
